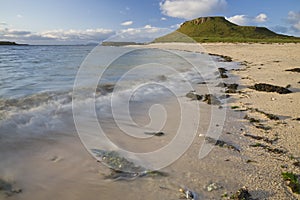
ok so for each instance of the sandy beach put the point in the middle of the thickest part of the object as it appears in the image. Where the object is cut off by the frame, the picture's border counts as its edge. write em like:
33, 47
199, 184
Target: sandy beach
255, 152
265, 63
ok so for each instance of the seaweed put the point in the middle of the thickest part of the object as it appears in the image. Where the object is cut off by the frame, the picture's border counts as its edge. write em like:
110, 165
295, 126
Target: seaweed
292, 180
293, 70
264, 87
268, 148
221, 143
211, 99
265, 139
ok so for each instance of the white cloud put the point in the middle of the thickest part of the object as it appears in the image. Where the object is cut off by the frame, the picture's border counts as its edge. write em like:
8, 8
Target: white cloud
189, 9
57, 36
19, 16
239, 19
127, 23
261, 18
243, 20
3, 23
163, 19
148, 26
294, 20
146, 34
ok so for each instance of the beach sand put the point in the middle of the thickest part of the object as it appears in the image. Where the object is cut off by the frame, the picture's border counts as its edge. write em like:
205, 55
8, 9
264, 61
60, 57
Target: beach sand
51, 168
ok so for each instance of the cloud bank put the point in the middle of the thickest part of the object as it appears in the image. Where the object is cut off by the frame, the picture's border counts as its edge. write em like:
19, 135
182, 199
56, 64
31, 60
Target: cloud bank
189, 9
56, 36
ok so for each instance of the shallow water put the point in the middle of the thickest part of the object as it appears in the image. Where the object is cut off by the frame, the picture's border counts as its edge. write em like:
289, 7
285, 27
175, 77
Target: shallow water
43, 89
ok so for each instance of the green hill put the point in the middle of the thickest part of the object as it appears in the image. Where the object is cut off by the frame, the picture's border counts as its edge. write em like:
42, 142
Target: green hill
218, 29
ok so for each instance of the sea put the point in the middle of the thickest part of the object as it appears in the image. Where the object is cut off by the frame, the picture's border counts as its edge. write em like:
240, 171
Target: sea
65, 89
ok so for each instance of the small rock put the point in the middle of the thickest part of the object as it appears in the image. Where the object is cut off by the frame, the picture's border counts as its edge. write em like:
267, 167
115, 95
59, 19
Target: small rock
213, 186
193, 95
242, 194
211, 99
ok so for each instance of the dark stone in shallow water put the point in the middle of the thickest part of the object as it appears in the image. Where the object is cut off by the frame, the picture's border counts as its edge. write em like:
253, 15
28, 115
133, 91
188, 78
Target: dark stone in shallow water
270, 88
7, 189
211, 99
193, 95
155, 133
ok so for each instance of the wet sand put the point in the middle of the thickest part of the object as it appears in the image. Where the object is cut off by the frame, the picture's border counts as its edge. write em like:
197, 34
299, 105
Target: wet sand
58, 166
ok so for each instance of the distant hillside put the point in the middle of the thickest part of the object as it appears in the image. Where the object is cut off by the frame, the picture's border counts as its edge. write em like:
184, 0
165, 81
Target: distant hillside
9, 43
218, 29
112, 43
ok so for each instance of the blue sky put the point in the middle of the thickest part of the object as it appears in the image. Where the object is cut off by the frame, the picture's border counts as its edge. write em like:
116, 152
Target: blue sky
84, 21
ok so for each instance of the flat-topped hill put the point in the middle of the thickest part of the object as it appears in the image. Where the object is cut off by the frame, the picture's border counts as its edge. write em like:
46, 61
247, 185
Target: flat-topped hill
218, 29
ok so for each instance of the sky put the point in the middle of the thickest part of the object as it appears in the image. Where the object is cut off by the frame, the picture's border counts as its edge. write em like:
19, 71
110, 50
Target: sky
93, 21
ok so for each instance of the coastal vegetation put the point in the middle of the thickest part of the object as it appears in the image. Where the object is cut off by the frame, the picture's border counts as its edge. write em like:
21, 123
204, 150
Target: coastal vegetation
218, 29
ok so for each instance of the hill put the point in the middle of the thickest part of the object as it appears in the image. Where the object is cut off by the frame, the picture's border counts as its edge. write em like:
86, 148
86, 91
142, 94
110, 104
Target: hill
218, 29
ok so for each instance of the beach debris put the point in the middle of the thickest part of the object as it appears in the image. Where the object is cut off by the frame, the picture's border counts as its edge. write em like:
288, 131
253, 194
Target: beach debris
221, 84
223, 57
213, 186
297, 163
292, 180
242, 194
159, 133
293, 70
211, 99
231, 88
7, 188
188, 194
261, 126
268, 115
251, 119
194, 96
224, 96
221, 143
222, 72
265, 139
202, 83
234, 107
270, 88
121, 168
268, 148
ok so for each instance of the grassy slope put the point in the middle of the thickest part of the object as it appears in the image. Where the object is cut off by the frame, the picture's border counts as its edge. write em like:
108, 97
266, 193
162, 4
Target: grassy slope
218, 29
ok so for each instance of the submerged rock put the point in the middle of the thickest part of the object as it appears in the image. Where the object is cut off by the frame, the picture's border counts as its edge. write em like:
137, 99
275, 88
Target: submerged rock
121, 168
270, 88
7, 188
211, 99
193, 95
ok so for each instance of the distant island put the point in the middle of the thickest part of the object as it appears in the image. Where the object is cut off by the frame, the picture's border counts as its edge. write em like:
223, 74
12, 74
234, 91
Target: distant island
10, 43
112, 43
218, 29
